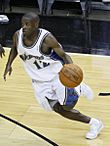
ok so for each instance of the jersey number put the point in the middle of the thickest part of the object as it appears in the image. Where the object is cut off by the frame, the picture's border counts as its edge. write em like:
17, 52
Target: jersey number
40, 64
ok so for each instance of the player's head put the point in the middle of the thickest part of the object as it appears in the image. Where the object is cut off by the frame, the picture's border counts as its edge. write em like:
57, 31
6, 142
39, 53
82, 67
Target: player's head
30, 23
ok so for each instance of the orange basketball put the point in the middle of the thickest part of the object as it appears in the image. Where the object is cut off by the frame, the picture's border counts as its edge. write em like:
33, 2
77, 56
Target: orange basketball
71, 75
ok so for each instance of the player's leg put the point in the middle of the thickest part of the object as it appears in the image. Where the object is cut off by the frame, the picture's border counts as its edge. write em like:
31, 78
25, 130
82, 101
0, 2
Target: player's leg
65, 106
95, 125
48, 100
71, 114
66, 110
42, 91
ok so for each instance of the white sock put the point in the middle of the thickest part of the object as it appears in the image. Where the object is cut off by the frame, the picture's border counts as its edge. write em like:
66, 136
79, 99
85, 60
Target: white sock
93, 120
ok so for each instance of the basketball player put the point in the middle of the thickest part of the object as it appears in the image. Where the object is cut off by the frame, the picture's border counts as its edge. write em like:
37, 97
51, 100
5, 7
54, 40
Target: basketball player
43, 58
2, 51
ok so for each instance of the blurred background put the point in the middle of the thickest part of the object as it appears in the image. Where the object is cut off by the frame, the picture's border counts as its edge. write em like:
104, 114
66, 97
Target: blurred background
81, 26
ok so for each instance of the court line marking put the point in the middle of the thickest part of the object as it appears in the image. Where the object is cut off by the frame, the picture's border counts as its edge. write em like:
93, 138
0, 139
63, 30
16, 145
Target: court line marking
104, 94
29, 129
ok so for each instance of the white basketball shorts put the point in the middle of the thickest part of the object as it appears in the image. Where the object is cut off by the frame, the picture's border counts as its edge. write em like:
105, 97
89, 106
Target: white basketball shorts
54, 91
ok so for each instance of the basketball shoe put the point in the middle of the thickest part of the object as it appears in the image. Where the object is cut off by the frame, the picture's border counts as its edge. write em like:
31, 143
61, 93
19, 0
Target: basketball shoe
95, 128
86, 91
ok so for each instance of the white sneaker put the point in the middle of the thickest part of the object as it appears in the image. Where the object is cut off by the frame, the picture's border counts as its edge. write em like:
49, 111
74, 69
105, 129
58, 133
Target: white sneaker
95, 128
86, 91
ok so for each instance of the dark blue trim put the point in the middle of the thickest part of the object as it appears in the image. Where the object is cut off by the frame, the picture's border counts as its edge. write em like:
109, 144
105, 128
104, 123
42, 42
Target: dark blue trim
54, 56
71, 96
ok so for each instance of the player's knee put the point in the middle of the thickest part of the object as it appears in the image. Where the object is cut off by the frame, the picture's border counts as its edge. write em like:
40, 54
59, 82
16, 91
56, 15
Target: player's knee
60, 108
57, 108
67, 108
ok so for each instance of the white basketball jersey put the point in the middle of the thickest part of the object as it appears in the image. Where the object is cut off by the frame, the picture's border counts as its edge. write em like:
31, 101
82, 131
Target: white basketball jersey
38, 66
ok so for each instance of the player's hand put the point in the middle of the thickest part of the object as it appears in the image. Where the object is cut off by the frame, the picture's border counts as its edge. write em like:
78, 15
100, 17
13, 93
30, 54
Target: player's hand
8, 70
2, 51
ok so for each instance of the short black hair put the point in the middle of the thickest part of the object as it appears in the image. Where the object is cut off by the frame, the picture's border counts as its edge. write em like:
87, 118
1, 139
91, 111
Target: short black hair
31, 16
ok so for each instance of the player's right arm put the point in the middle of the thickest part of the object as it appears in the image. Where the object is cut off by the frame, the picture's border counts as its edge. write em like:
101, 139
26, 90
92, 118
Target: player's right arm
51, 42
12, 55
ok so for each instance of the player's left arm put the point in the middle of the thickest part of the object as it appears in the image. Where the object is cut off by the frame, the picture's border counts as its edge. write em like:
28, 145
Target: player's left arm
51, 42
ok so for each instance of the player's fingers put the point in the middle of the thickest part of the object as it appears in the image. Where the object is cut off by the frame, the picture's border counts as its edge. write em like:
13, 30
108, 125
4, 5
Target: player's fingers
10, 71
1, 55
4, 76
4, 53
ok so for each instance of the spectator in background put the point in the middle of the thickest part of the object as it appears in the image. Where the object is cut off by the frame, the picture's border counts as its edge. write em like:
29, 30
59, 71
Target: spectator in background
45, 6
42, 6
49, 6
6, 4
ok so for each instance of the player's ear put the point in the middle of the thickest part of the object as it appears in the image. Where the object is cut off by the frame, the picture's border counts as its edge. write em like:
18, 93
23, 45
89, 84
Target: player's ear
37, 24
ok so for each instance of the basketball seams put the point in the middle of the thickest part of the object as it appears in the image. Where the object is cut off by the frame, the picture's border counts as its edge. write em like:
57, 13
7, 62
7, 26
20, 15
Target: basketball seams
71, 75
74, 73
61, 78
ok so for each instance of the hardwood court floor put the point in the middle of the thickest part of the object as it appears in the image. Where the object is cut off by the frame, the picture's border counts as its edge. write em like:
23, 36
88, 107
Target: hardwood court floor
17, 101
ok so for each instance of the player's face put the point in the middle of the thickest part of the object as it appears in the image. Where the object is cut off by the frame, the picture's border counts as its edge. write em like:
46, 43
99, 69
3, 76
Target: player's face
29, 26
